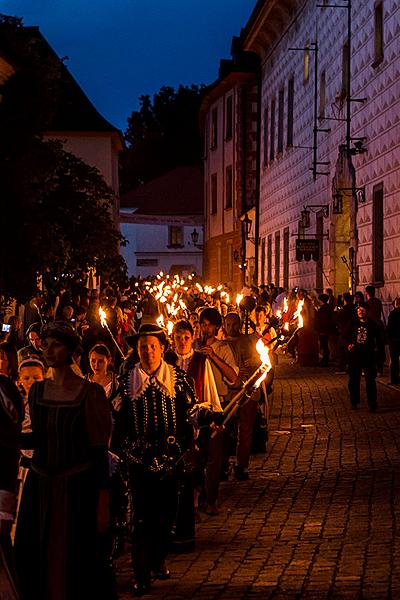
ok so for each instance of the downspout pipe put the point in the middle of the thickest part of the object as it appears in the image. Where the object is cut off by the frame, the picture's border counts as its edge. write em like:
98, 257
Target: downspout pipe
258, 177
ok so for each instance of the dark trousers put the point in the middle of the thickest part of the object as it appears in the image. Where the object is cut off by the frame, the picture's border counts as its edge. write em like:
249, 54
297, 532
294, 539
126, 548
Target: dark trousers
343, 353
324, 348
154, 504
394, 349
213, 467
247, 418
355, 371
185, 516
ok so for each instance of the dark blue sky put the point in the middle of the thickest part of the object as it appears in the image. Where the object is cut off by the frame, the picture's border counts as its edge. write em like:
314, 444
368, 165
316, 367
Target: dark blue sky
120, 49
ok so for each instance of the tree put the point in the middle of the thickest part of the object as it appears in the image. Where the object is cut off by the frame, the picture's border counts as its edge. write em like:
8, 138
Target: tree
55, 208
162, 134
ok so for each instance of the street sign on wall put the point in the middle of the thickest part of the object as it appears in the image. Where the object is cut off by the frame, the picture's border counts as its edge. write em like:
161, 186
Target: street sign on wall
307, 249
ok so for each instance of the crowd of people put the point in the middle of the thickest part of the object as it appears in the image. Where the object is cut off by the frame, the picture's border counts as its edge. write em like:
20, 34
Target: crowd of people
114, 406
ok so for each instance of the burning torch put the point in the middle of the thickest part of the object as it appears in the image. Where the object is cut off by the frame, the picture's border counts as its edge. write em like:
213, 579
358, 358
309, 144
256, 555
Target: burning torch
103, 322
249, 386
299, 317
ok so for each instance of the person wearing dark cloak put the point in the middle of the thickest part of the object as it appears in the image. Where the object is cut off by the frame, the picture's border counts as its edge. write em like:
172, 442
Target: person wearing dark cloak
11, 415
64, 504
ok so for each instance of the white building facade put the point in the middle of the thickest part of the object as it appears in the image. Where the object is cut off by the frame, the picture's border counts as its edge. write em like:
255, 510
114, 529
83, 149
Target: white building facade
310, 150
153, 244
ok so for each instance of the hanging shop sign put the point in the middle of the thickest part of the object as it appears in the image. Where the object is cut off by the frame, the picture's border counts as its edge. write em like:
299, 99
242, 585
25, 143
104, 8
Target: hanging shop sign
307, 249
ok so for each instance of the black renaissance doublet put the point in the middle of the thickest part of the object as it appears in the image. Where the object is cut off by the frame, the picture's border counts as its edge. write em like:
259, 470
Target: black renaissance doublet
153, 423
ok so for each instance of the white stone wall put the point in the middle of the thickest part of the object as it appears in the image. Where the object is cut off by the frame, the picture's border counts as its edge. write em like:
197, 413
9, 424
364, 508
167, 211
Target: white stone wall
150, 242
287, 183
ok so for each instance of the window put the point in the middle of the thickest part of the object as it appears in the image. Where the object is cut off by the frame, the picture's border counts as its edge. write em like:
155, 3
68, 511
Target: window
175, 236
263, 260
228, 187
228, 118
290, 108
281, 99
286, 237
205, 141
272, 132
229, 261
147, 262
378, 34
219, 263
277, 258
345, 70
265, 136
306, 64
377, 235
214, 128
214, 198
269, 259
322, 95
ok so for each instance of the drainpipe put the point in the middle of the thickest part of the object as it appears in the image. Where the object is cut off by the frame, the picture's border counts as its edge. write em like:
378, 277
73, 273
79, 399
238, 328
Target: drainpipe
258, 177
243, 97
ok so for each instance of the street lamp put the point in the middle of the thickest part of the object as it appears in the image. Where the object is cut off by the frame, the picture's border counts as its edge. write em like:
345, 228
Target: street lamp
247, 224
305, 213
195, 238
305, 218
337, 205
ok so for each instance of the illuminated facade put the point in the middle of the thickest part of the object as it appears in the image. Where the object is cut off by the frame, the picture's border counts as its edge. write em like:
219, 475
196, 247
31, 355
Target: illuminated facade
229, 122
328, 141
314, 76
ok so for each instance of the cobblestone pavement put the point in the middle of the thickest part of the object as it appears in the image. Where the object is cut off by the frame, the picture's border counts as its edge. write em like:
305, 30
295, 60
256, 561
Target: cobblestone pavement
319, 517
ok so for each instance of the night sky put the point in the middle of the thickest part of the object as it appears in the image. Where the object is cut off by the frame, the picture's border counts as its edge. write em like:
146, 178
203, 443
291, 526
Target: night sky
120, 49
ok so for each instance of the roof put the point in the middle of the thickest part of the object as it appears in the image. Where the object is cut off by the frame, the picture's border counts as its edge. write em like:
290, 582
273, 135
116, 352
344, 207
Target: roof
74, 111
243, 68
178, 192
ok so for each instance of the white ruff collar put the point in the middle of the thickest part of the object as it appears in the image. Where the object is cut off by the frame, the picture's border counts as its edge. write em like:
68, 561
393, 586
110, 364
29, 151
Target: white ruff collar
185, 356
164, 379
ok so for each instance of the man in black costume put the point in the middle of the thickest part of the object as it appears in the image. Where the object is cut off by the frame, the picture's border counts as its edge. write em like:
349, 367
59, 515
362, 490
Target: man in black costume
365, 346
155, 432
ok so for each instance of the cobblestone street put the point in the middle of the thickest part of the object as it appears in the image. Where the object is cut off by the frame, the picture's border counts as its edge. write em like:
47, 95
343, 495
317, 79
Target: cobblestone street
319, 517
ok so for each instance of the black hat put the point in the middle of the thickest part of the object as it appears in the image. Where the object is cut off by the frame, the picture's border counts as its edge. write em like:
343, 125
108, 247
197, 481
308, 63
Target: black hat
148, 329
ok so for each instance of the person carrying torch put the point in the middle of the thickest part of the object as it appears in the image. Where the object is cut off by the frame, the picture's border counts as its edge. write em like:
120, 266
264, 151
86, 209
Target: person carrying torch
225, 372
248, 359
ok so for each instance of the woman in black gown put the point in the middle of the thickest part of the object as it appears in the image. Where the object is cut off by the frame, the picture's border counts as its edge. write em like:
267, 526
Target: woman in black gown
65, 498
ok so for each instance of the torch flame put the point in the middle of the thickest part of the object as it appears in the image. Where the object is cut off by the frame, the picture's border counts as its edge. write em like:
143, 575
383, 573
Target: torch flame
298, 314
170, 327
102, 315
160, 321
286, 326
285, 305
266, 364
239, 298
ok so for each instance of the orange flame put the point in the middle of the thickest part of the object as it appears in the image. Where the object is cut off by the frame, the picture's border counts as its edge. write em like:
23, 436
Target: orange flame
266, 364
102, 315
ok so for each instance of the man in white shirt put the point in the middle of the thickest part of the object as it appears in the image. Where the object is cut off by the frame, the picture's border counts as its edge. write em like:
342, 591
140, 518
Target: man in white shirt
225, 372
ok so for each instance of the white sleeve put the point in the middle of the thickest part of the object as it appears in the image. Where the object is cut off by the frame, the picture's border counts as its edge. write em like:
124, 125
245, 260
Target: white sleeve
210, 389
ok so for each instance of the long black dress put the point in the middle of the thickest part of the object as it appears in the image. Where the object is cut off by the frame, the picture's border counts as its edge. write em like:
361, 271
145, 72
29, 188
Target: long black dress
56, 532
